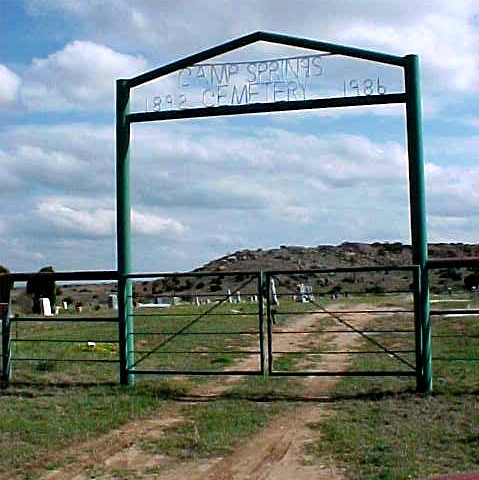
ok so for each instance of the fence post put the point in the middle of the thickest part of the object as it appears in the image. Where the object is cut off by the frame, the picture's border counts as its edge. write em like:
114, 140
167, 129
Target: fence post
418, 326
417, 200
267, 290
5, 288
261, 319
125, 294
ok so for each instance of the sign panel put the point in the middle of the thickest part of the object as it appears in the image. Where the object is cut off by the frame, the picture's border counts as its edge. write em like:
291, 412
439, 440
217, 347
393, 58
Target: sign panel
279, 79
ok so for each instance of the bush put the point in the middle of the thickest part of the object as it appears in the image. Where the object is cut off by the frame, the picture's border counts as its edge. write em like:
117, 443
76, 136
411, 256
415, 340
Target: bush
395, 247
335, 289
68, 300
471, 280
42, 287
451, 273
376, 289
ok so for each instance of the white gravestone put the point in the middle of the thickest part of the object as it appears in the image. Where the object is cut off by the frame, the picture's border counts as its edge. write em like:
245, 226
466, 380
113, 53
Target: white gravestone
273, 292
113, 301
45, 307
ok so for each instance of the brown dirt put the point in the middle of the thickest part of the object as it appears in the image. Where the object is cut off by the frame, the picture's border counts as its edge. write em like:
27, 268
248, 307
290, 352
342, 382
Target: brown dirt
457, 476
278, 452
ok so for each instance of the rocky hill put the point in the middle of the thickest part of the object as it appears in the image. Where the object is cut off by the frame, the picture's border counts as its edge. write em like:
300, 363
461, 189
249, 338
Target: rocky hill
230, 272
321, 257
328, 256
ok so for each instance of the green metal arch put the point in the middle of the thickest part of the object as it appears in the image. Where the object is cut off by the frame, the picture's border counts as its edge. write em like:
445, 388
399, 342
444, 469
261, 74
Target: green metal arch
412, 100
264, 37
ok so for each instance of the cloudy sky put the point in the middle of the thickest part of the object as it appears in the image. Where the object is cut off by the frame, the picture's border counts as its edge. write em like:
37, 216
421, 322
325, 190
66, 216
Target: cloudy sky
203, 188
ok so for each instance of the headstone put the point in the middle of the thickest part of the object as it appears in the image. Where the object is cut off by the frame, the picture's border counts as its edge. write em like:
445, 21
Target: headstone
113, 301
273, 292
45, 307
309, 292
65, 305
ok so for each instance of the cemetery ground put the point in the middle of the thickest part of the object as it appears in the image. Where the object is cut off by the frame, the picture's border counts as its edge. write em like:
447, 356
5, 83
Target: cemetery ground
63, 420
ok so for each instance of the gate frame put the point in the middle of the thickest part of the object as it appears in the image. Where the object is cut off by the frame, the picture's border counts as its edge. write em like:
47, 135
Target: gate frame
413, 269
417, 197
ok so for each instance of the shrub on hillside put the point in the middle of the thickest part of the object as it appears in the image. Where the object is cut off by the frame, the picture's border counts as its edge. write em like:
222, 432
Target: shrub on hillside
42, 287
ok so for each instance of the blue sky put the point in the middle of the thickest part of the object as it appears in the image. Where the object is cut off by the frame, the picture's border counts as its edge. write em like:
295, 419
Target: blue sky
204, 188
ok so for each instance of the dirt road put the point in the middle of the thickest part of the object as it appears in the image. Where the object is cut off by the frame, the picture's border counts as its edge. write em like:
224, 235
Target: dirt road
277, 452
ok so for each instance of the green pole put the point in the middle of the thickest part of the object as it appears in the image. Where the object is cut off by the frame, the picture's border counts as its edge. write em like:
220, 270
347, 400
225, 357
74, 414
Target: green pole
5, 289
267, 294
417, 326
123, 220
261, 320
417, 199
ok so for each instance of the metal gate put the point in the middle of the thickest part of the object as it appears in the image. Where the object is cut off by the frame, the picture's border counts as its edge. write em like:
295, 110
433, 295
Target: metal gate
277, 323
318, 319
201, 324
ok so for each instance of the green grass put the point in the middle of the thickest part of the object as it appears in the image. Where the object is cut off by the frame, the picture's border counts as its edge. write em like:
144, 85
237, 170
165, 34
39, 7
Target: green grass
51, 403
36, 421
206, 343
213, 429
57, 351
383, 430
403, 436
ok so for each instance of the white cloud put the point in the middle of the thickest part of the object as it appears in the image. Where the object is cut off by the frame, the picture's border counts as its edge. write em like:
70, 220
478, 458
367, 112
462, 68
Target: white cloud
9, 85
9, 180
443, 37
80, 76
463, 149
453, 229
152, 225
44, 160
452, 191
206, 187
248, 187
67, 220
442, 32
84, 220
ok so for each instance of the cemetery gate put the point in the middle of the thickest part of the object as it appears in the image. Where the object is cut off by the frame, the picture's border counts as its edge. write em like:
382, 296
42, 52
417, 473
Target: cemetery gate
275, 323
411, 98
244, 99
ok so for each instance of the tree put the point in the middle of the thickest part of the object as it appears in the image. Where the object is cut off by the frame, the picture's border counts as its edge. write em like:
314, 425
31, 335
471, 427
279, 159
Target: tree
452, 273
471, 281
42, 287
5, 285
